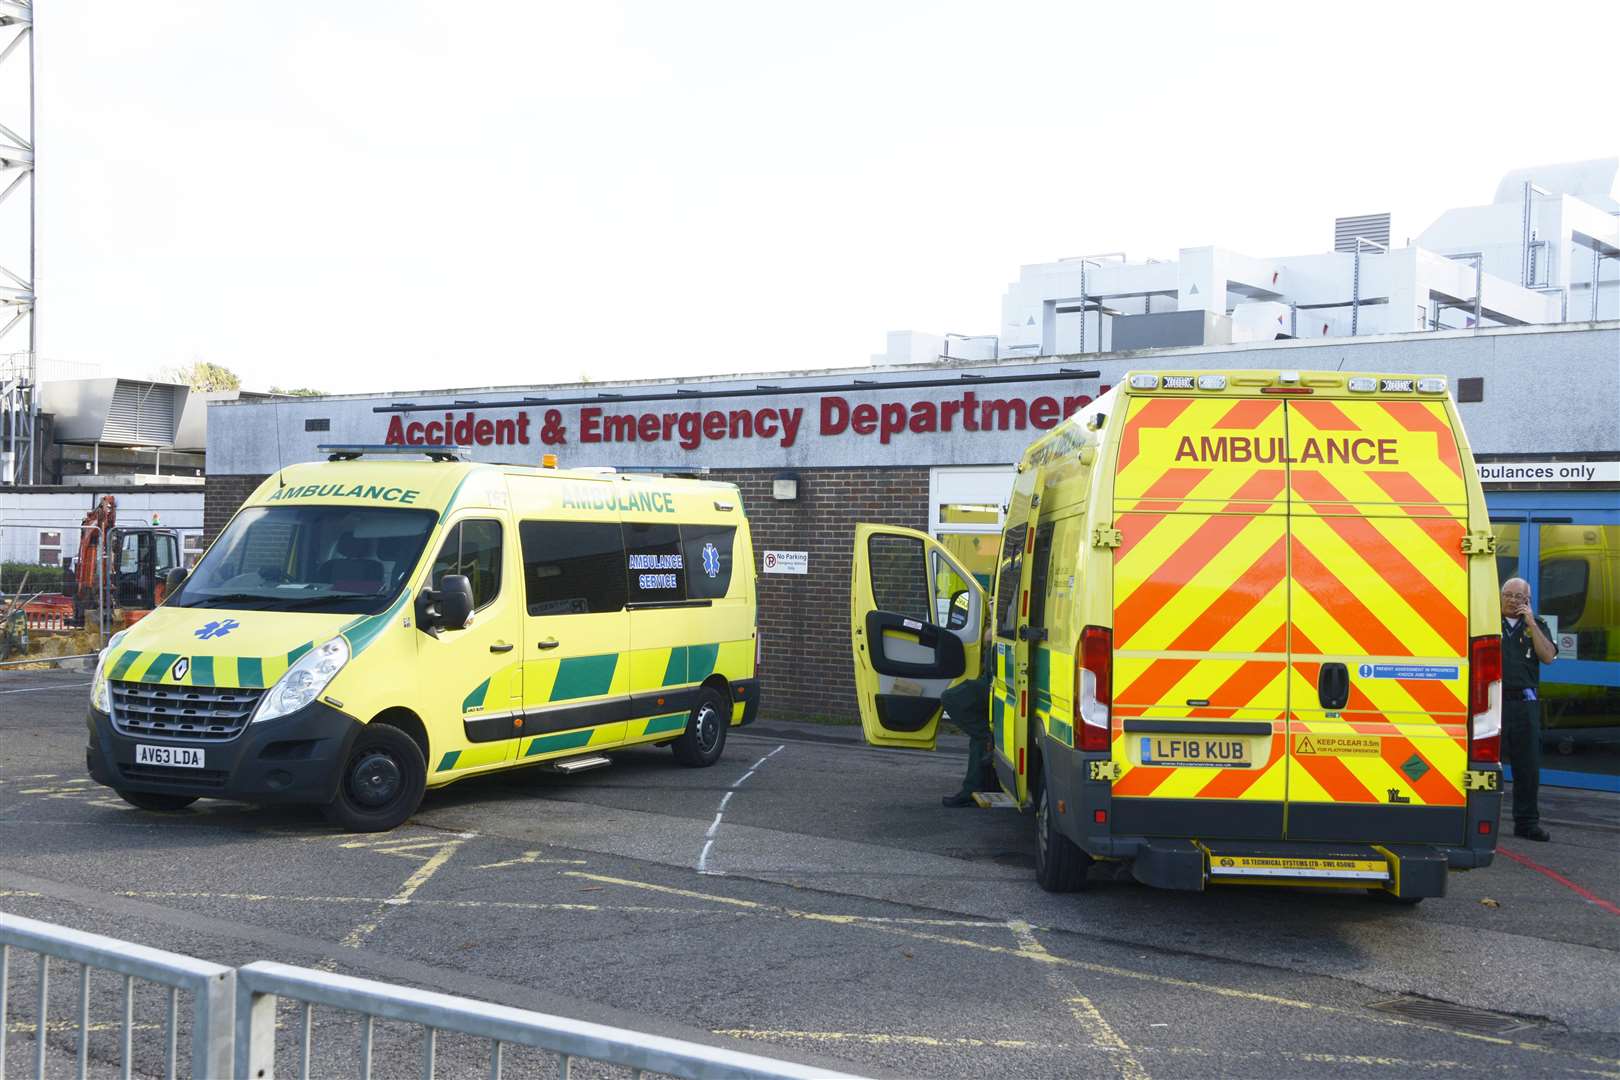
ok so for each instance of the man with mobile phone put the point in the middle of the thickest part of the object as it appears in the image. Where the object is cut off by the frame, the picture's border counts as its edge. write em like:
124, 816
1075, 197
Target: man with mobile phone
1526, 645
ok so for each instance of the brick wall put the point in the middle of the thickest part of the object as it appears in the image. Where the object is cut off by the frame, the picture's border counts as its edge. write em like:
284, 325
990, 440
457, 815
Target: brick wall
805, 619
222, 495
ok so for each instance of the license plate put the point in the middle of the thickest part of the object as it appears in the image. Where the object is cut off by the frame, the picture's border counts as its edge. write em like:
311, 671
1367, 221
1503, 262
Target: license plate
183, 757
1205, 751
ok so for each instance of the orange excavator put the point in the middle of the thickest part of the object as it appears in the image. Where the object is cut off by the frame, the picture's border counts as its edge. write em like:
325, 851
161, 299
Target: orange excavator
133, 562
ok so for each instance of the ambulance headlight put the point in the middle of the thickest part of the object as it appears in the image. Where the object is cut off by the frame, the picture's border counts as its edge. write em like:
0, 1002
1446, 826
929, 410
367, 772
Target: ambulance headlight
100, 691
304, 681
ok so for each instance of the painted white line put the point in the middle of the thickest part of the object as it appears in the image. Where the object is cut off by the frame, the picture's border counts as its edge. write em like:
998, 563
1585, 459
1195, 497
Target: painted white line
39, 689
714, 827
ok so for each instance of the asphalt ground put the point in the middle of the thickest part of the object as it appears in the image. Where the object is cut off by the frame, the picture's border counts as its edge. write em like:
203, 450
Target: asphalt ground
805, 898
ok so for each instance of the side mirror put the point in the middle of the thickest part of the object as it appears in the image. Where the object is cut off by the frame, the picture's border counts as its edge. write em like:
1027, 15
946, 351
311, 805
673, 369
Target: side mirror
174, 578
455, 601
959, 610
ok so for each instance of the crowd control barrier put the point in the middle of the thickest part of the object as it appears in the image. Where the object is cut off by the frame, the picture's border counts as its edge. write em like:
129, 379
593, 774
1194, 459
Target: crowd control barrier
233, 1017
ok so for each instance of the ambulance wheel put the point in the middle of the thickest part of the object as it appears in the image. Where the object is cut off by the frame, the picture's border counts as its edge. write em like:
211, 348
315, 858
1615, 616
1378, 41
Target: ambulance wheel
1060, 865
700, 744
382, 783
163, 804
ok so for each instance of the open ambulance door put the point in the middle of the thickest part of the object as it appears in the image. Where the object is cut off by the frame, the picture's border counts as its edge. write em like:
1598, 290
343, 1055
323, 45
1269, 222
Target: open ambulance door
916, 621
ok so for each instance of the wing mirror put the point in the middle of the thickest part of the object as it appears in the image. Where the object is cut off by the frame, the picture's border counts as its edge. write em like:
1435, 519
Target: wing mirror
449, 607
958, 616
174, 578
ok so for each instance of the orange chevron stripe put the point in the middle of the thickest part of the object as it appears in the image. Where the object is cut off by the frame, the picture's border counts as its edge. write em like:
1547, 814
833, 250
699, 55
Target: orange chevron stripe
1325, 416
1342, 605
1159, 412
1232, 783
1254, 585
1248, 414
1156, 680
1433, 787
1388, 562
1173, 486
1415, 416
1337, 780
1169, 577
1141, 782
1244, 685
1265, 484
1434, 696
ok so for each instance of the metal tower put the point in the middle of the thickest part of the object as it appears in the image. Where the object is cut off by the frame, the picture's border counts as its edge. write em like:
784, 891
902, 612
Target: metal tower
18, 371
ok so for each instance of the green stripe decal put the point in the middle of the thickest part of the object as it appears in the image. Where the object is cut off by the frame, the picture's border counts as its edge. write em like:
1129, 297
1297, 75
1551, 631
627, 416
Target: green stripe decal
1043, 670
202, 671
584, 676
123, 665
159, 665
475, 700
568, 740
292, 657
700, 661
363, 631
675, 673
250, 672
672, 722
449, 761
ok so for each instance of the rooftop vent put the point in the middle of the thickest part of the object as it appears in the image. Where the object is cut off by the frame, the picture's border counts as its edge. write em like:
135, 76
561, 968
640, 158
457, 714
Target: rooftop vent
1374, 227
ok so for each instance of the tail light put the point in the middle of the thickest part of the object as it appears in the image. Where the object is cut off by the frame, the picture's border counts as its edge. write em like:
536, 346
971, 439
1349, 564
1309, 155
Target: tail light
1094, 686
1485, 698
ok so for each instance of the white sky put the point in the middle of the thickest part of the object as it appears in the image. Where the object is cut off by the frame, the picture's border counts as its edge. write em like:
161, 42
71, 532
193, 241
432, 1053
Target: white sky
363, 195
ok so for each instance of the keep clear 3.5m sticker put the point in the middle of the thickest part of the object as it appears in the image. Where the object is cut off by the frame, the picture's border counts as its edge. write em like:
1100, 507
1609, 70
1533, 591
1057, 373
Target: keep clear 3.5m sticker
1337, 745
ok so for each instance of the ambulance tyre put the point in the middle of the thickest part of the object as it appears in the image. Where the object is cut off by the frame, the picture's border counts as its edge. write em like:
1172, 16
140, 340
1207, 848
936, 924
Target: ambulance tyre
383, 781
163, 804
1060, 865
699, 746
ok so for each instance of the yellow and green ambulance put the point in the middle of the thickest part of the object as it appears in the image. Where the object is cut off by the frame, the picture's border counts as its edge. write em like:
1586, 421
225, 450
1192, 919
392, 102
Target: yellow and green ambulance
380, 623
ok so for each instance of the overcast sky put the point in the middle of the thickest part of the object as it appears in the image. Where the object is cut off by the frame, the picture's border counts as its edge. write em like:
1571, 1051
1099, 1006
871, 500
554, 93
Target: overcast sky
361, 195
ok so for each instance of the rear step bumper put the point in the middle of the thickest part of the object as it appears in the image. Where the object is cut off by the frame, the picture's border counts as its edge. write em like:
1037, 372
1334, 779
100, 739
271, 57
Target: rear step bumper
1404, 870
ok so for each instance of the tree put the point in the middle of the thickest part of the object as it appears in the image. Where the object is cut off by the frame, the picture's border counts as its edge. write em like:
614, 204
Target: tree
201, 375
299, 391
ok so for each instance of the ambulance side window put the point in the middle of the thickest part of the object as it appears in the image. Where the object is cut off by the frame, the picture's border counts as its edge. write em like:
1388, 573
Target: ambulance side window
1038, 574
473, 549
573, 567
655, 563
707, 549
1011, 572
899, 577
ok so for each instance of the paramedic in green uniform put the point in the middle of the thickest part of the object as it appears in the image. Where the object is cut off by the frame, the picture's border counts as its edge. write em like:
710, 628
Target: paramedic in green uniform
1526, 645
967, 705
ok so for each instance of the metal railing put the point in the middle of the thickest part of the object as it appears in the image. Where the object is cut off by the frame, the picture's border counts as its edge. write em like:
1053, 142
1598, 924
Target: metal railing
211, 987
259, 986
233, 1017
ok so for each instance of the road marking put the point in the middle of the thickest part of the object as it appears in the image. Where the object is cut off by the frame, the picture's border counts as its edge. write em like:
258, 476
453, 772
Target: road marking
38, 689
1085, 1013
709, 837
357, 937
531, 858
1103, 969
517, 905
882, 1038
1586, 894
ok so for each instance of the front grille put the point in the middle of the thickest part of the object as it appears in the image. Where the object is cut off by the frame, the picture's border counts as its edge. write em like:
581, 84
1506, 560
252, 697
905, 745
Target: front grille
196, 778
213, 713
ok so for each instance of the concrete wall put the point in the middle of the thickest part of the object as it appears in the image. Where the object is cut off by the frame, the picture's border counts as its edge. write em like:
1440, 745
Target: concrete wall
1565, 379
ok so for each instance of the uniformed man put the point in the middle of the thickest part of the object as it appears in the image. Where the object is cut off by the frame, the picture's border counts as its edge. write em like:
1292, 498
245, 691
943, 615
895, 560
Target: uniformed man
967, 705
1526, 645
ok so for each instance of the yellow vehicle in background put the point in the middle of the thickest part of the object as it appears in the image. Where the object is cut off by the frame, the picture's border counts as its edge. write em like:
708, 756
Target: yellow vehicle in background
378, 624
1246, 630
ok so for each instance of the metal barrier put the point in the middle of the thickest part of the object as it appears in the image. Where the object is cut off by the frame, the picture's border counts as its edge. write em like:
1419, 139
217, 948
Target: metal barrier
211, 987
258, 986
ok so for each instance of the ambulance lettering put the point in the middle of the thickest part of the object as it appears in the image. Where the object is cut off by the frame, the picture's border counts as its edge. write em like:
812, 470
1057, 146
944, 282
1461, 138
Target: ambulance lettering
1324, 451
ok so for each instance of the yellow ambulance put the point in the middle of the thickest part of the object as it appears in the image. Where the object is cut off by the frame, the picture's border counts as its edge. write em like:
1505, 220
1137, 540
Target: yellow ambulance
1246, 630
384, 622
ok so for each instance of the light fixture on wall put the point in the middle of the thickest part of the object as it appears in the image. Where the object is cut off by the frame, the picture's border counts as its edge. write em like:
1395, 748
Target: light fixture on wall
785, 487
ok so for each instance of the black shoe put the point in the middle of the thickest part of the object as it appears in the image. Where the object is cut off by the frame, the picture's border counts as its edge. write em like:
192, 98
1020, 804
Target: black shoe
961, 798
1534, 832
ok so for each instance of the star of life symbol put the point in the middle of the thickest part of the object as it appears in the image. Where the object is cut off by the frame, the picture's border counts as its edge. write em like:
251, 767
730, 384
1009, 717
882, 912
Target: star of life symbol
711, 560
216, 629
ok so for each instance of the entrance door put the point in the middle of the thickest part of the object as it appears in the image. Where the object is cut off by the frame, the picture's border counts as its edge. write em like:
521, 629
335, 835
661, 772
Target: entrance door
1379, 601
1201, 619
916, 619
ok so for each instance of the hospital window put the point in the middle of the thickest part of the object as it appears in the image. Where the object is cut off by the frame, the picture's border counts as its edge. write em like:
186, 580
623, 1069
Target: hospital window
1577, 588
50, 547
473, 549
191, 545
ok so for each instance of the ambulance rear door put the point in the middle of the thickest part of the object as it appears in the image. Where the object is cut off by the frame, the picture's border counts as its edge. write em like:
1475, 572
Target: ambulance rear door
1026, 550
916, 622
1200, 618
1378, 596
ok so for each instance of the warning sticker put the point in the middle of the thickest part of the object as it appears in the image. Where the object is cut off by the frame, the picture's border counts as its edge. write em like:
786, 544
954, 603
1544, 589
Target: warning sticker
1337, 745
1442, 672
